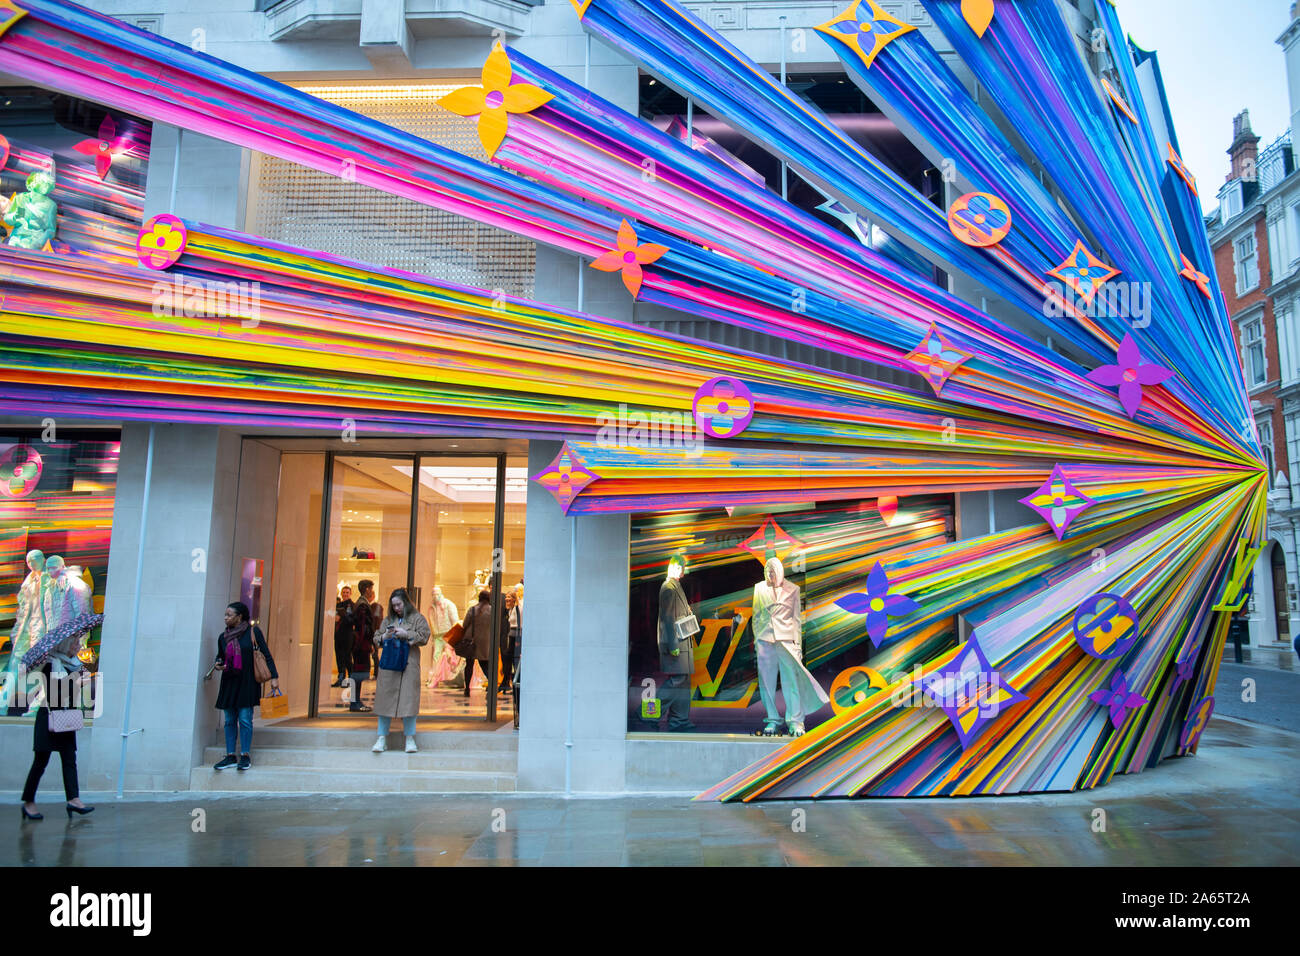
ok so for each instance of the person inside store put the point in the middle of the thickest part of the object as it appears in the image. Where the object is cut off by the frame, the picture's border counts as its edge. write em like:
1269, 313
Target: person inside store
397, 692
345, 634
62, 699
239, 691
517, 640
366, 588
363, 647
478, 636
508, 608
509, 645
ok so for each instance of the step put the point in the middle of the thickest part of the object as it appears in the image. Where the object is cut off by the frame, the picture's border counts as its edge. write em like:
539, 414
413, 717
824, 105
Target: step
348, 738
308, 780
361, 757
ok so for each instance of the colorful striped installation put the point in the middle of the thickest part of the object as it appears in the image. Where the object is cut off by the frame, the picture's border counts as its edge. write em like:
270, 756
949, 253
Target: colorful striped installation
832, 547
1091, 631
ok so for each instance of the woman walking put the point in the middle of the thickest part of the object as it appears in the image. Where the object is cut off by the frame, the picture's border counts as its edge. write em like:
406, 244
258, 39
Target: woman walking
240, 691
397, 691
64, 701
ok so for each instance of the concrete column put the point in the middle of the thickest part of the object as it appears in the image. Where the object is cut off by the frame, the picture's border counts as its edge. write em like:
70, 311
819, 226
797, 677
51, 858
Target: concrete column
186, 585
600, 645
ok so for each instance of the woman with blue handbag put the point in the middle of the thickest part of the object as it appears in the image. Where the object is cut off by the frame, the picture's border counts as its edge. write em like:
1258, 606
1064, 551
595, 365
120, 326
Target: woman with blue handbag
397, 691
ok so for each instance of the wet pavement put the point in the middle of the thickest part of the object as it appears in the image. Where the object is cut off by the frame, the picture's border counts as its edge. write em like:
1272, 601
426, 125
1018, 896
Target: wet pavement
1260, 694
1237, 803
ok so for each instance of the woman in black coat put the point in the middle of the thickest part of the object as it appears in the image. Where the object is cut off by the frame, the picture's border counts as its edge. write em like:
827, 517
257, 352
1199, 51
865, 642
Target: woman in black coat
240, 691
61, 694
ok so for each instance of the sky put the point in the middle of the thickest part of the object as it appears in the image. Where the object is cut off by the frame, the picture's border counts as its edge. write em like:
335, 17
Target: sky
1218, 57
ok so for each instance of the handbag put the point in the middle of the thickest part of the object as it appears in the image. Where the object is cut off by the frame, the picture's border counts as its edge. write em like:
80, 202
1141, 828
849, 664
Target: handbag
454, 635
261, 670
685, 627
394, 655
63, 721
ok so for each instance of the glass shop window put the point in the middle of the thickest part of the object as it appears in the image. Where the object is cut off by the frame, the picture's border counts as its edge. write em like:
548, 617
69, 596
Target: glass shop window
700, 587
56, 502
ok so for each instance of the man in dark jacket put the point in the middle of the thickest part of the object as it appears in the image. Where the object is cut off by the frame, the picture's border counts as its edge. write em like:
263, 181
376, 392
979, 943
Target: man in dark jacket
676, 650
345, 634
367, 589
477, 642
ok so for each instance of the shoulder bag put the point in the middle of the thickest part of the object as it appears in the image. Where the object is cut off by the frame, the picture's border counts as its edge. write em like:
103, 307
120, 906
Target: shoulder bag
62, 721
261, 670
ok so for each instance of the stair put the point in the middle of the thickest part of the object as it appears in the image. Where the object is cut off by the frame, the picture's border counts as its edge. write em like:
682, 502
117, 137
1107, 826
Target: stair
339, 760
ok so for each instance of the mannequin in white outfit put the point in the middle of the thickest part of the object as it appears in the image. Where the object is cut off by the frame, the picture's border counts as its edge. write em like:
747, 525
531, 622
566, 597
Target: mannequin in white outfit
778, 643
442, 616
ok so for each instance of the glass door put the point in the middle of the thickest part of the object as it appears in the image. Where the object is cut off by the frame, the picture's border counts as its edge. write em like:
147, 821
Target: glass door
367, 554
448, 527
457, 553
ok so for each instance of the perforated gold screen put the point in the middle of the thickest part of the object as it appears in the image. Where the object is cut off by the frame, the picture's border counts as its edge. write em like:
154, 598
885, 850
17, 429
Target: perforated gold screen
293, 204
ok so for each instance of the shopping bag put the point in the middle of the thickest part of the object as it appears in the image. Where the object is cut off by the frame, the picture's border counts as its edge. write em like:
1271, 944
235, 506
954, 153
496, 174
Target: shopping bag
276, 704
345, 690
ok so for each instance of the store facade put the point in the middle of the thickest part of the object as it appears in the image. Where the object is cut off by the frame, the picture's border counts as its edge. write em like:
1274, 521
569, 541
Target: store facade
303, 375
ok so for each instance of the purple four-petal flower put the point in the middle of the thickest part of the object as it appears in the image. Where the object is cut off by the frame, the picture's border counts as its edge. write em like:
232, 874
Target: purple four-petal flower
1130, 374
877, 604
1118, 699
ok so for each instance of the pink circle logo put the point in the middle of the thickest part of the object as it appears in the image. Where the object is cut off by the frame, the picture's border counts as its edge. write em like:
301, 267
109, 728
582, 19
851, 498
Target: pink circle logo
161, 241
20, 471
723, 407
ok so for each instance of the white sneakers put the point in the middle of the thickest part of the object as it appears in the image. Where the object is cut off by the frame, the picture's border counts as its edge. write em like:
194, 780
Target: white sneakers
380, 746
410, 745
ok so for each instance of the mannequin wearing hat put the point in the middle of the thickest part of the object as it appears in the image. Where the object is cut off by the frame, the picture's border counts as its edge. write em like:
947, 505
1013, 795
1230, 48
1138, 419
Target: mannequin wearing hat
778, 643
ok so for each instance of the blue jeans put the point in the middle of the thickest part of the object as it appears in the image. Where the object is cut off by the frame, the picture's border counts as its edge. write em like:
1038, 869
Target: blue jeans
239, 723
408, 726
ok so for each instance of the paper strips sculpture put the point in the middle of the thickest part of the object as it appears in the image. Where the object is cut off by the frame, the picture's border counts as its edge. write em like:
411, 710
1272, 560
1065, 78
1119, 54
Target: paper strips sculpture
1152, 494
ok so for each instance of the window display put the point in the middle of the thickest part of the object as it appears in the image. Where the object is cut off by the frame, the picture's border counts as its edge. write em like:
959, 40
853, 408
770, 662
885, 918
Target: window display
56, 513
735, 626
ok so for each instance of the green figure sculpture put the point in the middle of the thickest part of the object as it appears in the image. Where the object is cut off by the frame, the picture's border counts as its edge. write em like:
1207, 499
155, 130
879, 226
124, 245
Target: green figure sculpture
33, 215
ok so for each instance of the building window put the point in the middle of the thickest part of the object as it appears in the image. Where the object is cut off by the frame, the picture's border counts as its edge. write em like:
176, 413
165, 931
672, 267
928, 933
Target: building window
711, 614
1266, 447
1247, 259
1230, 200
1293, 442
1252, 351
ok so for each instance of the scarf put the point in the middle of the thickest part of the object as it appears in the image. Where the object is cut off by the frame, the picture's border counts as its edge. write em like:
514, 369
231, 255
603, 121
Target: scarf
233, 655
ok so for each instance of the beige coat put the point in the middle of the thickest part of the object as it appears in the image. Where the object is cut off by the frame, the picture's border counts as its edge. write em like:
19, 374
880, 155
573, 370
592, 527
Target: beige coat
398, 694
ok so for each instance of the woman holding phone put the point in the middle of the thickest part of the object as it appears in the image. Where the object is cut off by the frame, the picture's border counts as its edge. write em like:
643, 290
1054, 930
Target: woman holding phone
239, 691
397, 691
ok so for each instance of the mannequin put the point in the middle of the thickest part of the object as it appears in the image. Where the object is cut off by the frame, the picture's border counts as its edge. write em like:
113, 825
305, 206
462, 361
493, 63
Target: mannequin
66, 598
29, 625
442, 616
676, 649
778, 640
33, 215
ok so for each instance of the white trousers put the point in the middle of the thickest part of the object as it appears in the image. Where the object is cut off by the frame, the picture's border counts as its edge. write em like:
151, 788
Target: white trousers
774, 657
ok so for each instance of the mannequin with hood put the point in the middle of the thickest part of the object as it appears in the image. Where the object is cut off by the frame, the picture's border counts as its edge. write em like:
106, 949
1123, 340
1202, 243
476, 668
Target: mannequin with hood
676, 652
778, 643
